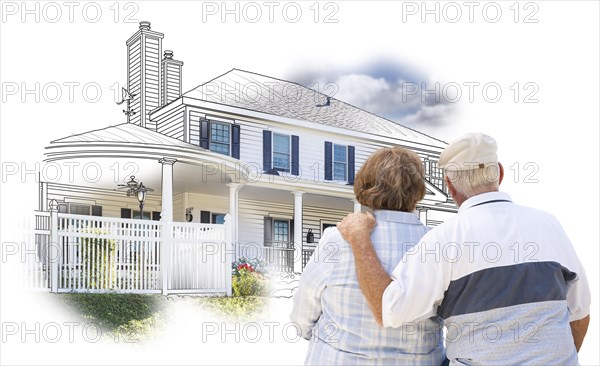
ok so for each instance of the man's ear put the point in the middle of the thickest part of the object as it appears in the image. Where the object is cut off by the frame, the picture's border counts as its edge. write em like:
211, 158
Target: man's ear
501, 168
450, 187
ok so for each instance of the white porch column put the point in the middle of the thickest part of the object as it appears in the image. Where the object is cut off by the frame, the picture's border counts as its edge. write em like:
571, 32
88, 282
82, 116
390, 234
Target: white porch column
423, 214
228, 253
166, 219
233, 212
298, 232
357, 205
54, 252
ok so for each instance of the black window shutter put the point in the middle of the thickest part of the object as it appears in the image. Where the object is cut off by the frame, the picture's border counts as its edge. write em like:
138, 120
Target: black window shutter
295, 155
235, 141
292, 232
350, 164
156, 215
125, 213
267, 151
96, 210
268, 227
205, 217
328, 160
204, 133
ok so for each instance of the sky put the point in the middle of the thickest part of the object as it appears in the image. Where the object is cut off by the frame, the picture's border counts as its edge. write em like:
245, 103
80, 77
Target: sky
526, 73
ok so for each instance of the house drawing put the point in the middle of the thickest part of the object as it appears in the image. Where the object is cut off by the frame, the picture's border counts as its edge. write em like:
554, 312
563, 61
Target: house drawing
242, 165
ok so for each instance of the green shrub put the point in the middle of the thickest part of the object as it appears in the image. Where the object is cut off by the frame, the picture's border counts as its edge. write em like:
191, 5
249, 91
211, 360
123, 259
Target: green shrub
249, 283
98, 265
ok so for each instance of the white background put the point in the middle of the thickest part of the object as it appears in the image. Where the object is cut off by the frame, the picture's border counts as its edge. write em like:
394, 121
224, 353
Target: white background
558, 134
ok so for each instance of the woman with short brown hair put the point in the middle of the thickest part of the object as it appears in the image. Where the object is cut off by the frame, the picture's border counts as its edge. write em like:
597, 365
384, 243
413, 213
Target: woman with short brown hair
329, 307
391, 179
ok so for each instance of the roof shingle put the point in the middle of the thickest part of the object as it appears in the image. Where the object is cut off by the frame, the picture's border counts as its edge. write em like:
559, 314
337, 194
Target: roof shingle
247, 90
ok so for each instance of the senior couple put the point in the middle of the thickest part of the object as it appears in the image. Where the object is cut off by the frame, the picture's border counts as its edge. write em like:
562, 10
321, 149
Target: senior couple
503, 279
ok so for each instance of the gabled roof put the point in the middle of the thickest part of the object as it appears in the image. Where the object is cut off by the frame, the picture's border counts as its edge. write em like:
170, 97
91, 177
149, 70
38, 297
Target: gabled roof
256, 92
125, 133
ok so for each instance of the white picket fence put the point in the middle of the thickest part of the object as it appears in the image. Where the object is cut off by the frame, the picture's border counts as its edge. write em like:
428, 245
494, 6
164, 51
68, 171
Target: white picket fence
108, 254
198, 255
24, 252
102, 254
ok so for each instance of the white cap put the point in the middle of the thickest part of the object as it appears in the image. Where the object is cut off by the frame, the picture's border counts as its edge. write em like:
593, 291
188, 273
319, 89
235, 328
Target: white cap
471, 151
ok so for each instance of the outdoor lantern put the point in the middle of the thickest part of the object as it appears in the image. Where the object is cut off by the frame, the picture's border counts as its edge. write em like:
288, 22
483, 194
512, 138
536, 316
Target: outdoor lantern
141, 196
188, 214
310, 237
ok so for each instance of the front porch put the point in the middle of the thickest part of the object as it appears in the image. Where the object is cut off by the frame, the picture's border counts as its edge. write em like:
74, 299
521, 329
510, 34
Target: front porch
79, 253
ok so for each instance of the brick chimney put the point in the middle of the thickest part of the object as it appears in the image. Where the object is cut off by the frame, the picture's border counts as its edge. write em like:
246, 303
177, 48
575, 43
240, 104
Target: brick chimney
144, 74
171, 78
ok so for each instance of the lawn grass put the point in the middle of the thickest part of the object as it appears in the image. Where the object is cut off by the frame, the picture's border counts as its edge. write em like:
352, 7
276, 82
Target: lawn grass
138, 316
234, 308
132, 315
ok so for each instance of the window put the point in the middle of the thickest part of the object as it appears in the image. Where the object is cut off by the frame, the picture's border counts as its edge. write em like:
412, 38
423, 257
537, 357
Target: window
281, 152
281, 231
219, 138
208, 217
128, 213
79, 209
217, 218
136, 215
340, 162
326, 225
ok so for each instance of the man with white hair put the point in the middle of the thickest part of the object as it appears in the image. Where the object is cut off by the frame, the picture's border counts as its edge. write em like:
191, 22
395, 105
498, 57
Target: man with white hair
505, 278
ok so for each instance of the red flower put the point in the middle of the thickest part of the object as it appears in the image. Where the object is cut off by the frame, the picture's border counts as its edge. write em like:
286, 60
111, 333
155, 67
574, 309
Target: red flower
245, 266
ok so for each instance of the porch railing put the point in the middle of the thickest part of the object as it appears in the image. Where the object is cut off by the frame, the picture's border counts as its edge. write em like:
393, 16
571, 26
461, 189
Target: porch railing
80, 253
306, 254
279, 257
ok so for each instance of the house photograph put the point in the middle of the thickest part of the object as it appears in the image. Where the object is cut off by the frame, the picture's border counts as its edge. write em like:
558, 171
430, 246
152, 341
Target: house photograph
276, 158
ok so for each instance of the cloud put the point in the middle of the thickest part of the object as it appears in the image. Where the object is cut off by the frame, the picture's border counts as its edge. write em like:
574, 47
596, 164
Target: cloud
387, 89
430, 115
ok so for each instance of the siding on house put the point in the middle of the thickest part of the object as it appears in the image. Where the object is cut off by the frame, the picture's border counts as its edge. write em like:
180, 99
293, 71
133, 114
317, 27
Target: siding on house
200, 202
252, 214
172, 123
194, 126
111, 201
311, 142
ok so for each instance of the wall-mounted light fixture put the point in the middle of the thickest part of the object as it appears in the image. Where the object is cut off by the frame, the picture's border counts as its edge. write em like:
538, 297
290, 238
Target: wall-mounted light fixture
188, 214
310, 237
